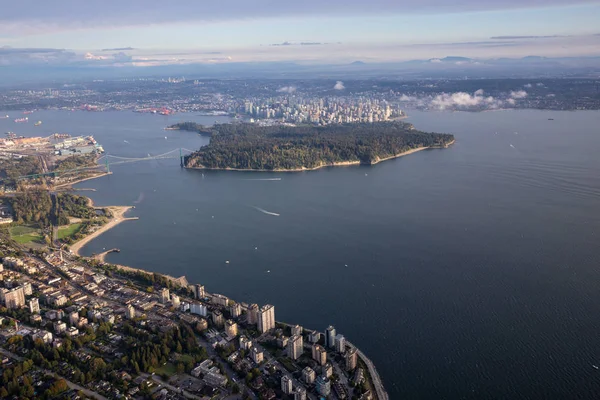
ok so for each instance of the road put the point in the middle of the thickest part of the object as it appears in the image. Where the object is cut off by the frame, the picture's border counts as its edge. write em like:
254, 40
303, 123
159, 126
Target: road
70, 384
381, 393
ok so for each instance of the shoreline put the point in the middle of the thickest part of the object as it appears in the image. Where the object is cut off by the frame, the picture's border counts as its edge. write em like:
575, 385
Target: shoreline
118, 217
337, 164
70, 184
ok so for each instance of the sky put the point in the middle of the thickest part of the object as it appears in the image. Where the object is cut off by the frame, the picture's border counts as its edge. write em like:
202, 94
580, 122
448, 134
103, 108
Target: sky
153, 32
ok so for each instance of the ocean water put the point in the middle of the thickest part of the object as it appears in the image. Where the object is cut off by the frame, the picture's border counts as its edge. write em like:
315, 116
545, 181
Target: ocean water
470, 272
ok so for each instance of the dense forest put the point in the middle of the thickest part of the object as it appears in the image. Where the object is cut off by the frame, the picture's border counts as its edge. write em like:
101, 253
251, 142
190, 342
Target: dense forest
33, 206
11, 169
249, 146
75, 206
37, 206
75, 161
192, 127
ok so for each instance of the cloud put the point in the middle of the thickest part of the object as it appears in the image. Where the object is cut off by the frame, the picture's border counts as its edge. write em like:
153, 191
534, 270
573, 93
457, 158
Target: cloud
287, 89
463, 100
68, 14
13, 50
339, 85
10, 56
286, 43
525, 37
90, 56
119, 49
519, 94
408, 98
528, 85
122, 57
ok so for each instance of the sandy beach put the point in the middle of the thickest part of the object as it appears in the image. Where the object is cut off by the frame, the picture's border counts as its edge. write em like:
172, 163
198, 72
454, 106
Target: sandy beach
118, 217
68, 184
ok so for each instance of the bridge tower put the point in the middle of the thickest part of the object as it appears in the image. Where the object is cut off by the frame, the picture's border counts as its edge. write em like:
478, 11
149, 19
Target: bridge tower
107, 166
181, 157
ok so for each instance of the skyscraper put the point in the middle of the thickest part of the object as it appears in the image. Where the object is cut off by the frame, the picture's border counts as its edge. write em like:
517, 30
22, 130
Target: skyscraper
323, 386
130, 312
308, 375
297, 330
266, 318
199, 291
330, 337
34, 305
175, 300
253, 314
300, 394
340, 344
164, 295
217, 318
231, 328
286, 385
14, 298
235, 310
350, 357
295, 347
319, 354
73, 318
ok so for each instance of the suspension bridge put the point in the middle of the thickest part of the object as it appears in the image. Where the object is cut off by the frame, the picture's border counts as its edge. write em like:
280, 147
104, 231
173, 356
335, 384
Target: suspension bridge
109, 160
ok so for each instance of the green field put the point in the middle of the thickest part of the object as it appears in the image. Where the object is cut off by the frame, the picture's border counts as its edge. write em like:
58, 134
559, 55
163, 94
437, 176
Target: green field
26, 234
68, 231
168, 369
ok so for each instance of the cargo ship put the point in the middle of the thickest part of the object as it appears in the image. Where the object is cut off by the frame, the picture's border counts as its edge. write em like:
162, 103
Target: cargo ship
21, 120
27, 112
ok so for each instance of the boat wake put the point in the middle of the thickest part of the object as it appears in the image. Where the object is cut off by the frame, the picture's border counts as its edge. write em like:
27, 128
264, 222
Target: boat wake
140, 198
265, 211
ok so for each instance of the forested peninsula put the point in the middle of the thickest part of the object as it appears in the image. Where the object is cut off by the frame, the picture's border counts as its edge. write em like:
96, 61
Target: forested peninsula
242, 146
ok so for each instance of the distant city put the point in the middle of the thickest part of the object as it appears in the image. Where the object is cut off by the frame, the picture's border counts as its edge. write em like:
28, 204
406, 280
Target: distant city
319, 102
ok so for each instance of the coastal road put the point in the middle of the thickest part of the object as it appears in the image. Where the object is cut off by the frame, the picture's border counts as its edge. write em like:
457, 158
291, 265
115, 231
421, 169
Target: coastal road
381, 393
70, 384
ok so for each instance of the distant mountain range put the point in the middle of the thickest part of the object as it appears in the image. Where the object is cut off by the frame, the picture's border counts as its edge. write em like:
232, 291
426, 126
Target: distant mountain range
451, 67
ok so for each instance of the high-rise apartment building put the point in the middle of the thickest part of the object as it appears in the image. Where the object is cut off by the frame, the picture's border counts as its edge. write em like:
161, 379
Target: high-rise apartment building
14, 298
350, 358
286, 384
295, 347
309, 375
130, 312
297, 330
253, 314
34, 305
330, 337
164, 295
266, 318
319, 354
340, 344
231, 328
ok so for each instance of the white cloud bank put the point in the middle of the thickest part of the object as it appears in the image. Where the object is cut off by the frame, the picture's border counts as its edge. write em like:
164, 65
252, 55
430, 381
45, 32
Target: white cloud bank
287, 89
339, 85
